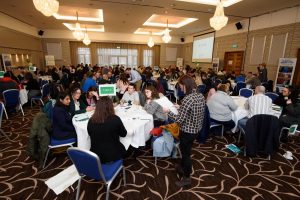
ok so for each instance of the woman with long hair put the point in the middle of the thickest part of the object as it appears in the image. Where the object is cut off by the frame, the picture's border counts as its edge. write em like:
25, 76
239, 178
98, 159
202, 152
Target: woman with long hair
77, 106
91, 97
122, 85
190, 119
105, 128
62, 120
153, 107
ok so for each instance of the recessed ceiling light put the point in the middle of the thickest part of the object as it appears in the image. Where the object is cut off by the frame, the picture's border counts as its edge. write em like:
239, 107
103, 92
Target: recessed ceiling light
148, 31
92, 28
173, 21
69, 13
226, 3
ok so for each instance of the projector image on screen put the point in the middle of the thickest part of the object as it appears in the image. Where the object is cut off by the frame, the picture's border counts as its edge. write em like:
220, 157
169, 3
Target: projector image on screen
203, 47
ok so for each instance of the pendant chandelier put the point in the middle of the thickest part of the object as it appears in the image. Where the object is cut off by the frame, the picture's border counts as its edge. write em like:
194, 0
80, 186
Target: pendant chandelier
150, 41
219, 20
78, 34
47, 7
166, 37
86, 39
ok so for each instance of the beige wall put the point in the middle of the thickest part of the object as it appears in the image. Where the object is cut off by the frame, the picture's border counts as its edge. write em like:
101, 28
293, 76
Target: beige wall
13, 42
65, 47
163, 47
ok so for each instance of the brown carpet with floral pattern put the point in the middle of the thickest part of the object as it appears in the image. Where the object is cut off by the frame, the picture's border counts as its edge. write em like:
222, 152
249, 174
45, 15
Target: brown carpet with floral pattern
217, 173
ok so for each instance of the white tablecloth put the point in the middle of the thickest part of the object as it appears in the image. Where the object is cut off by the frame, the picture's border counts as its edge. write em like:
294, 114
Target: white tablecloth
23, 96
137, 122
241, 112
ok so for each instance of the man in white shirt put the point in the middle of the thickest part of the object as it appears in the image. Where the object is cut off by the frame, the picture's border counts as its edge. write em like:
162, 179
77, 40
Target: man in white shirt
257, 105
136, 78
131, 96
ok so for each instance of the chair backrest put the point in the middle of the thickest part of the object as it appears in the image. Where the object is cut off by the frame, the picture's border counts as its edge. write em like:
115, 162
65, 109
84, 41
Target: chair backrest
201, 88
272, 95
1, 112
11, 97
245, 92
142, 98
262, 134
240, 85
87, 163
43, 82
46, 90
240, 78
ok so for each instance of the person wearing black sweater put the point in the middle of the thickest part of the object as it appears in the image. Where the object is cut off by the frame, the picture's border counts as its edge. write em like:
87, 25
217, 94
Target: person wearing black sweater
32, 86
105, 128
62, 120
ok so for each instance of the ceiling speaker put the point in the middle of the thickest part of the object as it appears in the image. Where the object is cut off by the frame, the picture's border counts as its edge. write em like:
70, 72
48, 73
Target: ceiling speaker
41, 32
239, 26
182, 39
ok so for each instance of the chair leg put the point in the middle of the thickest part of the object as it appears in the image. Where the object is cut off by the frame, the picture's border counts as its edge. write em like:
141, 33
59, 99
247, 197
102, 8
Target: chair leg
124, 176
269, 157
222, 133
46, 157
1, 131
31, 103
5, 112
155, 161
42, 102
21, 108
78, 189
107, 191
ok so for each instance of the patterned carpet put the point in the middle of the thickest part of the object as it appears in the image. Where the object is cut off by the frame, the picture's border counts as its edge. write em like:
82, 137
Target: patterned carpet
217, 173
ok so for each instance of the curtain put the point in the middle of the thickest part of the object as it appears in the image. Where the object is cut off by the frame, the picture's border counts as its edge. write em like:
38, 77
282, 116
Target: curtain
113, 53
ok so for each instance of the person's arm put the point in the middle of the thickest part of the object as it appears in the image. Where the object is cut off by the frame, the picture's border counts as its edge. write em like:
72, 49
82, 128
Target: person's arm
135, 77
293, 110
232, 105
151, 107
182, 112
122, 129
137, 98
62, 119
73, 111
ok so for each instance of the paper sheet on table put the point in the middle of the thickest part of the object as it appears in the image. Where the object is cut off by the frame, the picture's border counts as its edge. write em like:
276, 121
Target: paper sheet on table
63, 180
166, 103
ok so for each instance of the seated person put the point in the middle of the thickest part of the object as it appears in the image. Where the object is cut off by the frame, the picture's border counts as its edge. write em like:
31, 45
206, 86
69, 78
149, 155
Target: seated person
153, 107
7, 83
104, 80
91, 97
283, 97
257, 104
62, 119
221, 106
122, 85
89, 81
105, 128
77, 106
32, 86
292, 115
131, 96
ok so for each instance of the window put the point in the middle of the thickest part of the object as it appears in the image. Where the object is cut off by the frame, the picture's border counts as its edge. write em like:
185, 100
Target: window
84, 55
148, 55
126, 57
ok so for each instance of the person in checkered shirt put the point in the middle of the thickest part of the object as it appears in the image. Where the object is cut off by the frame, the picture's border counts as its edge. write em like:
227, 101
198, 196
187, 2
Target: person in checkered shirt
190, 119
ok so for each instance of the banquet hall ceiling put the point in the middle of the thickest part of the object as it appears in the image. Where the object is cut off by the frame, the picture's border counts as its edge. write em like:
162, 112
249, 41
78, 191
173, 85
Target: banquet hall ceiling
126, 16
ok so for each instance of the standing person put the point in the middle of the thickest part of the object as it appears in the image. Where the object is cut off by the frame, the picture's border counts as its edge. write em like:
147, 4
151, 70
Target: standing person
152, 107
190, 119
262, 72
136, 78
105, 129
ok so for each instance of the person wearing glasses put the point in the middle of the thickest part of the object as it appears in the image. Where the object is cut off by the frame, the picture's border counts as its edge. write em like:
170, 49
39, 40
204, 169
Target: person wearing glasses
77, 106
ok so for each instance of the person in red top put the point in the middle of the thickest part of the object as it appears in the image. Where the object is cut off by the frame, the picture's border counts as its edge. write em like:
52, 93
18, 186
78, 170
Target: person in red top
7, 83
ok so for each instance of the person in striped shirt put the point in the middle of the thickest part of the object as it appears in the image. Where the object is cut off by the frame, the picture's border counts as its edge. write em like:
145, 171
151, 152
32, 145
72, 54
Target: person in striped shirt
257, 104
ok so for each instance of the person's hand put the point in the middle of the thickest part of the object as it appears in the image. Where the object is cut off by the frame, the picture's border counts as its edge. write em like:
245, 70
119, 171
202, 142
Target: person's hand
89, 108
177, 106
288, 101
166, 110
148, 101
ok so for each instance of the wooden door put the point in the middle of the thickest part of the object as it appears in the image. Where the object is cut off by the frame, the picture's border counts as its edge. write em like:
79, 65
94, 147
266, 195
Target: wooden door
233, 61
296, 78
